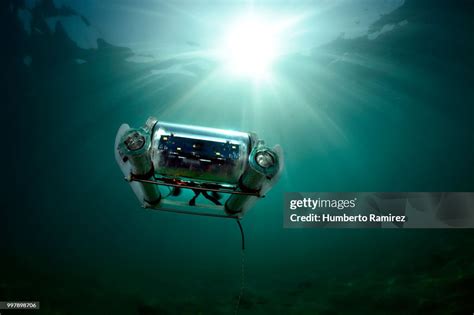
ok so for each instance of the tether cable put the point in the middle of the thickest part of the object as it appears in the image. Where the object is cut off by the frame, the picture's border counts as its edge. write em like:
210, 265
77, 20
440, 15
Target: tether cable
242, 272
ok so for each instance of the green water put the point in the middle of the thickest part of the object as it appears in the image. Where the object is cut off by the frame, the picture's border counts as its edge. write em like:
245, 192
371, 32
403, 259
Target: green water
390, 114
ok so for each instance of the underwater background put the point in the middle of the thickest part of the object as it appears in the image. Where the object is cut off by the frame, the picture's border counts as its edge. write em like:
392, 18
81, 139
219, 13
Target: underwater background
381, 100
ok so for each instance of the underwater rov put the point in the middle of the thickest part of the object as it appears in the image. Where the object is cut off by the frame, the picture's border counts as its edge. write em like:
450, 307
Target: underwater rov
206, 161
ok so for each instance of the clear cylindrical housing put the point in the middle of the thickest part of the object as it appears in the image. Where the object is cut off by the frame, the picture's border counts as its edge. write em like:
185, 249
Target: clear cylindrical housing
199, 153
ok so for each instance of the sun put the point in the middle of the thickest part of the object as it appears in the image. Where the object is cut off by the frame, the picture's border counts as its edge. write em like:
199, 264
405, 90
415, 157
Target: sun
250, 47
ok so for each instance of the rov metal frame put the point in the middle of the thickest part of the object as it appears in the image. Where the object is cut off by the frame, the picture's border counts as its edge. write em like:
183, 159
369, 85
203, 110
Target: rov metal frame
169, 182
